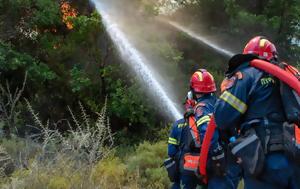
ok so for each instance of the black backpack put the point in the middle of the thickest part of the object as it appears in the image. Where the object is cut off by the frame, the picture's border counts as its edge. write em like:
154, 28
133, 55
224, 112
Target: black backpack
290, 99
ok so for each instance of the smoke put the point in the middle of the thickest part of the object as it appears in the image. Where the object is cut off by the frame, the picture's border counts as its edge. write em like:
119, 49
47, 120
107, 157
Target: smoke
143, 43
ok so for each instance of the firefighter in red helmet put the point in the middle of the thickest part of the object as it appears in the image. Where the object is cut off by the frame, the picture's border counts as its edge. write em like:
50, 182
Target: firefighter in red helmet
261, 47
251, 103
187, 135
202, 82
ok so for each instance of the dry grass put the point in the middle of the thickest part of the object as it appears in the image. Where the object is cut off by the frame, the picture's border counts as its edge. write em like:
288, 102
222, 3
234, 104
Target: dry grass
81, 158
63, 160
8, 102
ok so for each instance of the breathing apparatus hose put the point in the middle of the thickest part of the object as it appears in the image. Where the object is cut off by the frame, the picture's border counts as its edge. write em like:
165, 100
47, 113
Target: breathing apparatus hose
286, 77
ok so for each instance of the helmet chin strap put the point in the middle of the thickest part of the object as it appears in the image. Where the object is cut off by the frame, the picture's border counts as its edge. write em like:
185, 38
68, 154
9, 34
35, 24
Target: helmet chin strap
199, 95
275, 58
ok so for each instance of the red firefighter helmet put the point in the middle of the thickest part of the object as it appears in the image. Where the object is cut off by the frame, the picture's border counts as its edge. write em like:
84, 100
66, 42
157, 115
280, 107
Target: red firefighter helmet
262, 47
202, 82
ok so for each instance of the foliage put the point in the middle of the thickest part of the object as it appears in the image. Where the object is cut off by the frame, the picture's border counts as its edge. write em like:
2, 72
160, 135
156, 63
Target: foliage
21, 150
147, 162
79, 80
62, 161
8, 104
109, 173
149, 8
249, 22
6, 164
128, 102
85, 28
83, 141
59, 183
298, 66
276, 19
47, 13
65, 64
11, 60
170, 53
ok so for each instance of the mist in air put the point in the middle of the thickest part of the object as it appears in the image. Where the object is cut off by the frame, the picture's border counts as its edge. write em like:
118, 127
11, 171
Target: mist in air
116, 27
135, 36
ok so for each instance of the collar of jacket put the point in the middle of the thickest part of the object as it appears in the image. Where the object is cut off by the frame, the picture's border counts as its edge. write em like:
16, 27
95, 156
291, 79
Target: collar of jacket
238, 62
211, 96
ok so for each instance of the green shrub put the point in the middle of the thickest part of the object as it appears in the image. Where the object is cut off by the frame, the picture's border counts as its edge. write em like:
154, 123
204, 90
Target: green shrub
109, 173
12, 60
130, 104
13, 146
62, 174
20, 150
162, 133
147, 162
156, 178
59, 183
79, 79
47, 13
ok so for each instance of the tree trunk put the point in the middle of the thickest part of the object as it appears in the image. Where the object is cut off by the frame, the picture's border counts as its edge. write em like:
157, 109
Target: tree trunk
104, 61
284, 4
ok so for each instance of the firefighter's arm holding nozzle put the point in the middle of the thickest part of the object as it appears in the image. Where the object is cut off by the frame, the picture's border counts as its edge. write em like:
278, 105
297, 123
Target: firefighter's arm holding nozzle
189, 105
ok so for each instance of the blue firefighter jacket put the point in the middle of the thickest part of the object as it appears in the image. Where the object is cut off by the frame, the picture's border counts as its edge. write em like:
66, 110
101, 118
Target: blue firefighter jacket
178, 143
251, 95
251, 99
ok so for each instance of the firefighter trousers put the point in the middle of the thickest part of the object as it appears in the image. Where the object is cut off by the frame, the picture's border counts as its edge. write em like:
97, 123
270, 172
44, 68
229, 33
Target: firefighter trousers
279, 173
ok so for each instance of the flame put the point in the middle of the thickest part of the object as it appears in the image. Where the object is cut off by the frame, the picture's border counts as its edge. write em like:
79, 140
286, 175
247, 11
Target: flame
67, 12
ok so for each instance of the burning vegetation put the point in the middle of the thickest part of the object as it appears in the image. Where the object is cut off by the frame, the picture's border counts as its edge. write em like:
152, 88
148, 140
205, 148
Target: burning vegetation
67, 12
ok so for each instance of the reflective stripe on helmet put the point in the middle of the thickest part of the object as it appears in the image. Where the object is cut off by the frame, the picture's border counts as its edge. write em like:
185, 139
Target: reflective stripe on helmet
262, 47
202, 82
199, 74
234, 102
262, 42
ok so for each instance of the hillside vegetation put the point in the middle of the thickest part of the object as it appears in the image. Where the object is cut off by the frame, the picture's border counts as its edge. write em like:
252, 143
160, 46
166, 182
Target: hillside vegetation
73, 116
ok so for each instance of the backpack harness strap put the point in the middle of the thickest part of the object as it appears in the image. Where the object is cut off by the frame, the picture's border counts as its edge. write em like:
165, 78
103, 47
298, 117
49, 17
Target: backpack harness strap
194, 131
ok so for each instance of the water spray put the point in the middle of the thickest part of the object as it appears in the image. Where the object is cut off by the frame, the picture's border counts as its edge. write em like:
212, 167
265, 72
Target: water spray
201, 39
136, 61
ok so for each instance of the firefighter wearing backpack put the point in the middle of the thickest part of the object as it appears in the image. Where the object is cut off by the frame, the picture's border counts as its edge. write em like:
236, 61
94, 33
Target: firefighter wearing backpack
187, 134
251, 102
